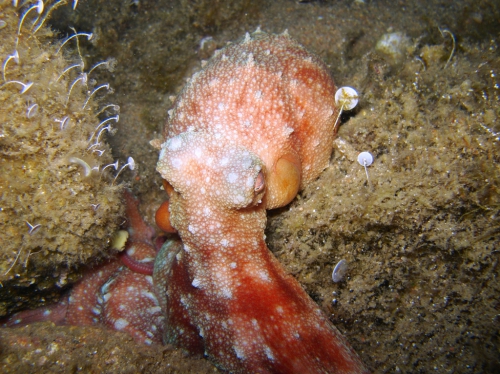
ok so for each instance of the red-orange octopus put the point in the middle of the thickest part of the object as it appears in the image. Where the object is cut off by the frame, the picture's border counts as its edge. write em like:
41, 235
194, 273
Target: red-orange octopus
251, 129
245, 135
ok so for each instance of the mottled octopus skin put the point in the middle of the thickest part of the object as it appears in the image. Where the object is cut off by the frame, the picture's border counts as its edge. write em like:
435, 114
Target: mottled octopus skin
112, 294
255, 103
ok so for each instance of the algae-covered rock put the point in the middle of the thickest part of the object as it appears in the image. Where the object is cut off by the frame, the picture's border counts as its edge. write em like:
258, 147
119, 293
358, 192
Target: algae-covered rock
58, 208
393, 45
421, 290
421, 237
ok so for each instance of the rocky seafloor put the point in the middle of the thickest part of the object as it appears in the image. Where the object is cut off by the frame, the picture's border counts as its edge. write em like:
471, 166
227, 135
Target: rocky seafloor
420, 237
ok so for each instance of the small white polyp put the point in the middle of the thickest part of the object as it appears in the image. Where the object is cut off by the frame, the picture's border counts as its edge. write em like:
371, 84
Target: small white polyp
347, 97
365, 159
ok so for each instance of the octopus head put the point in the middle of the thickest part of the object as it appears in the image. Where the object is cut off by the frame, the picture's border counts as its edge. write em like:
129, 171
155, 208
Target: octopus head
200, 164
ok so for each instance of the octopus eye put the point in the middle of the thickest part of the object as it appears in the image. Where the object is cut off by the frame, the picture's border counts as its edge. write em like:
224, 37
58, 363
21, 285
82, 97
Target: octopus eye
259, 183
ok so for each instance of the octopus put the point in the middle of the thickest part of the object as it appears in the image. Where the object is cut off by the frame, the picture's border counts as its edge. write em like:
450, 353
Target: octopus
245, 135
116, 294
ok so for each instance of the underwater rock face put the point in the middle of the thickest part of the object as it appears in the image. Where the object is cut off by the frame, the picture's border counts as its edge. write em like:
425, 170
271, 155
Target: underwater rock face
412, 274
58, 209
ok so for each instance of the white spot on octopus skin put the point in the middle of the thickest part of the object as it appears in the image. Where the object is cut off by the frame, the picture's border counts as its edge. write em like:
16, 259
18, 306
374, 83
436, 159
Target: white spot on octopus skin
250, 182
263, 275
121, 323
196, 283
149, 295
176, 163
226, 292
174, 144
239, 199
239, 352
154, 310
232, 177
269, 353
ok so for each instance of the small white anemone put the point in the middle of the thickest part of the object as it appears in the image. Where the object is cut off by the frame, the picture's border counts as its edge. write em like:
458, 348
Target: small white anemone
86, 167
347, 98
365, 159
131, 165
